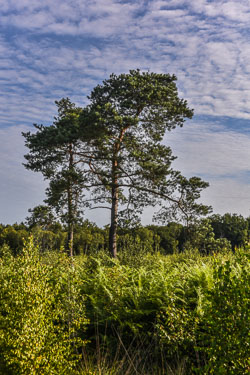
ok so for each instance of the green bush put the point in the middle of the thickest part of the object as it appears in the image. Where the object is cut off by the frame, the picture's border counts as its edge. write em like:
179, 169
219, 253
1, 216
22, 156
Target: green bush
225, 337
48, 240
42, 315
13, 237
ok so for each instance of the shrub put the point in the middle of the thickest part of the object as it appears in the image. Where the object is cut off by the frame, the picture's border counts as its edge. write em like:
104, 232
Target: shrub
14, 238
225, 328
41, 316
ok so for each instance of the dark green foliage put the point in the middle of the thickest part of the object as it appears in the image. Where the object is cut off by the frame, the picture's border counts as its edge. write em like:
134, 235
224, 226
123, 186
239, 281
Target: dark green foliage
41, 216
201, 236
168, 237
233, 227
54, 151
13, 236
89, 239
48, 240
48, 233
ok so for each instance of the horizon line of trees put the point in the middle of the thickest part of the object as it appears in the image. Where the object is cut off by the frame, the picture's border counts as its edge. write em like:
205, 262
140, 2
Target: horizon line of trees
210, 235
110, 154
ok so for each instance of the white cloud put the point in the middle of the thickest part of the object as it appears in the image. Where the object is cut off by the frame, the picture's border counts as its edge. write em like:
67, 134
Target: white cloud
100, 17
211, 60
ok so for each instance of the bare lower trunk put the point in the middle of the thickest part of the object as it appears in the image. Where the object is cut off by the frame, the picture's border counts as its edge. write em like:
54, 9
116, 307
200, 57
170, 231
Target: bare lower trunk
70, 239
115, 196
70, 206
113, 224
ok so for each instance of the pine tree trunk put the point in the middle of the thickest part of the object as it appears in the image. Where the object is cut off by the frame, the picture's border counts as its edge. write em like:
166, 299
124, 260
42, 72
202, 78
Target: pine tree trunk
113, 223
70, 206
115, 195
70, 239
114, 204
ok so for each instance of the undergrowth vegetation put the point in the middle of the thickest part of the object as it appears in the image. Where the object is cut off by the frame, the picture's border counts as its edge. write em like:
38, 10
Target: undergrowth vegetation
147, 314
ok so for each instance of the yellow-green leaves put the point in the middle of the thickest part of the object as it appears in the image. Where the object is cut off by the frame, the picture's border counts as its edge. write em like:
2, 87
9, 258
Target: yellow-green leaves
40, 323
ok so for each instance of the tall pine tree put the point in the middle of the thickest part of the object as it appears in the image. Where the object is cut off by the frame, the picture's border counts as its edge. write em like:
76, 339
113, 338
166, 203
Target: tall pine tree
125, 123
53, 151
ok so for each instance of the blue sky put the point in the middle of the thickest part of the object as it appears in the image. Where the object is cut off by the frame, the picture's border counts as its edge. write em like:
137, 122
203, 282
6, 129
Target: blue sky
53, 49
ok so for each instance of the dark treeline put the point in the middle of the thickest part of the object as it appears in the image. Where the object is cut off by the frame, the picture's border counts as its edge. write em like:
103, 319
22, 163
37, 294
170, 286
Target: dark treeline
208, 235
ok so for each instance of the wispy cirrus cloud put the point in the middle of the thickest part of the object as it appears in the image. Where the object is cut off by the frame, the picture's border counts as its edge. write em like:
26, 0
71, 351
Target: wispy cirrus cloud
204, 43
